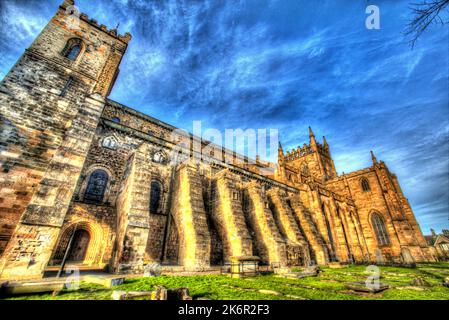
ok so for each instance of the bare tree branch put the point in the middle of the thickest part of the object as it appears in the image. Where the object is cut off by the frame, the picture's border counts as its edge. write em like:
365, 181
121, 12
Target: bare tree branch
426, 13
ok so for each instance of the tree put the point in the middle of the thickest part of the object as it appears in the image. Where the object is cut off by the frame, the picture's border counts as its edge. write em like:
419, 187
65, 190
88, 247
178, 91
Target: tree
424, 14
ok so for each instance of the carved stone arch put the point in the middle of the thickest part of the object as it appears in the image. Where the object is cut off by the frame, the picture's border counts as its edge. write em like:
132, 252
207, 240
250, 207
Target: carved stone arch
86, 177
96, 245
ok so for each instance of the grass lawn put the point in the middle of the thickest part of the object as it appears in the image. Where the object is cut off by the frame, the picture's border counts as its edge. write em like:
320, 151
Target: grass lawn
330, 284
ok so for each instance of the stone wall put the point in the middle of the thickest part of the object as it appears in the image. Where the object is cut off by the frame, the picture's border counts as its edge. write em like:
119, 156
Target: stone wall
49, 113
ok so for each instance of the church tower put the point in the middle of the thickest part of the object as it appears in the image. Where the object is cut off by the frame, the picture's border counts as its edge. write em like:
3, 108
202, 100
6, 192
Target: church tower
50, 104
310, 160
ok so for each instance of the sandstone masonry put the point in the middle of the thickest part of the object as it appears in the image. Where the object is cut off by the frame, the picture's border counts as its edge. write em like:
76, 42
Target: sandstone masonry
77, 165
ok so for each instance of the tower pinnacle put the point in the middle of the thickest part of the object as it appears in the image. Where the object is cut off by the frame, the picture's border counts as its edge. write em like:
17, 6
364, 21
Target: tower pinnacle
312, 139
311, 132
325, 142
373, 157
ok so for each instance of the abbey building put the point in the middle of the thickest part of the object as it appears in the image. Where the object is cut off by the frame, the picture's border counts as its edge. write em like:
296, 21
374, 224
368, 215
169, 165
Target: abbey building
88, 178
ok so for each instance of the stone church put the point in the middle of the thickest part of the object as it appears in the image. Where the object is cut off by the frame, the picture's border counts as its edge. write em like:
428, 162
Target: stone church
88, 178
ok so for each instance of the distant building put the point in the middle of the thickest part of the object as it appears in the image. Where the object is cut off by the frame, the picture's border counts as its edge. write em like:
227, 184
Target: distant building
441, 244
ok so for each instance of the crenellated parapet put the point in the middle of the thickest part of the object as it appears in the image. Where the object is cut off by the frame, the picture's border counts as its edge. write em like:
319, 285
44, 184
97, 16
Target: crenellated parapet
70, 8
298, 152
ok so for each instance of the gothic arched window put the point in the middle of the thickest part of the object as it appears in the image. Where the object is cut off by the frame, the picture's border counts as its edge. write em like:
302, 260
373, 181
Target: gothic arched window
380, 229
96, 186
155, 196
365, 184
72, 49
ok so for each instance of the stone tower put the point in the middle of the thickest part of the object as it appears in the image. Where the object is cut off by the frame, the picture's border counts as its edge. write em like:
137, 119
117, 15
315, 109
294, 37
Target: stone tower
313, 160
50, 102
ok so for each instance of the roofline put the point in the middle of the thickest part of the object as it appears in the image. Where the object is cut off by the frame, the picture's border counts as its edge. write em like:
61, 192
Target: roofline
171, 127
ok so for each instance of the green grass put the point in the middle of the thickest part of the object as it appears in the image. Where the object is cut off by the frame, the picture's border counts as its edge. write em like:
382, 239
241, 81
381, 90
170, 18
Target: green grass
329, 285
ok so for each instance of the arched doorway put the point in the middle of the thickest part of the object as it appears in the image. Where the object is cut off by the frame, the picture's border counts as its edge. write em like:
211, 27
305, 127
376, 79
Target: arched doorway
79, 245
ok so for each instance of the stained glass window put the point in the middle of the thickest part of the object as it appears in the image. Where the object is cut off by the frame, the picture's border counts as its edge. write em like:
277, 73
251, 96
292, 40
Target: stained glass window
96, 186
380, 230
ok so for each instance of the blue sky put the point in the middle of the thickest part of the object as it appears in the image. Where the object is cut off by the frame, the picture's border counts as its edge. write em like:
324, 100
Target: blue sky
285, 65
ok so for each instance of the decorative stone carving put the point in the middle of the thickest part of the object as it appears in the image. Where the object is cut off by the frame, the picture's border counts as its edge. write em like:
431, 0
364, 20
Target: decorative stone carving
110, 143
160, 157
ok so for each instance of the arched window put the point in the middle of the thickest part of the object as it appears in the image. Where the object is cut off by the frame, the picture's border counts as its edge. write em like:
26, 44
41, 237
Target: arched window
96, 186
365, 184
380, 229
116, 120
155, 196
72, 48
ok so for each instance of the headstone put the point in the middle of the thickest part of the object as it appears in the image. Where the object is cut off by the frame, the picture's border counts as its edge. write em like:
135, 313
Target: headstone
275, 293
379, 257
362, 287
152, 270
420, 282
32, 287
178, 294
106, 281
159, 294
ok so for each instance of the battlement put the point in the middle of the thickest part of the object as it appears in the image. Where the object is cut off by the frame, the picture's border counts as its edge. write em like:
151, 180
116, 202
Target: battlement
69, 7
298, 153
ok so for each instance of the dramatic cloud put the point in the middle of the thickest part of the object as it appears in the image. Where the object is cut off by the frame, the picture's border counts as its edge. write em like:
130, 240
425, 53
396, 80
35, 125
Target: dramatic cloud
283, 65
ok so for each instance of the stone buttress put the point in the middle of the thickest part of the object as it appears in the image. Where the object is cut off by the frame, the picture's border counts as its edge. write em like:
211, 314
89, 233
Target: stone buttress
190, 217
271, 246
132, 207
297, 247
229, 216
311, 232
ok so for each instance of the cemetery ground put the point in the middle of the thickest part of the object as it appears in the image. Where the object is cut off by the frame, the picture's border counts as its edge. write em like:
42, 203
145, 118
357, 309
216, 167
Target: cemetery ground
423, 282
